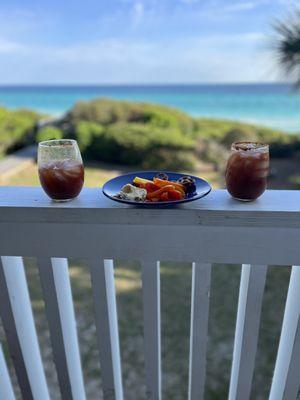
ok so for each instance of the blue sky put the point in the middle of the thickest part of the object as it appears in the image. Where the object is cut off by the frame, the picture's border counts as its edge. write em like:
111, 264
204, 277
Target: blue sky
137, 41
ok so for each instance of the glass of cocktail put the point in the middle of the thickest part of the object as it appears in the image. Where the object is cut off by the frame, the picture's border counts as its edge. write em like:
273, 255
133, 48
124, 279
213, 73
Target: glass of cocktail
247, 170
60, 168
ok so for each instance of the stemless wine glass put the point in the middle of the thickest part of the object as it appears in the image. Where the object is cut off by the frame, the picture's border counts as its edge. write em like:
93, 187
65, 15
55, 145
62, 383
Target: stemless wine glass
60, 169
247, 170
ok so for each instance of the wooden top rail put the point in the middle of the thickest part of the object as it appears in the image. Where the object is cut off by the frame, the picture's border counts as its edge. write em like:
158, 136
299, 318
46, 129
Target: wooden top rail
213, 229
276, 208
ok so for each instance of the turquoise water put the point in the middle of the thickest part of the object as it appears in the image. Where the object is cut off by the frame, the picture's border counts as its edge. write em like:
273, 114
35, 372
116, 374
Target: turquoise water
273, 105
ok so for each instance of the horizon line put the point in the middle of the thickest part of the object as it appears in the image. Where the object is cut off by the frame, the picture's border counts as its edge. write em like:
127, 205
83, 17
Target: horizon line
142, 84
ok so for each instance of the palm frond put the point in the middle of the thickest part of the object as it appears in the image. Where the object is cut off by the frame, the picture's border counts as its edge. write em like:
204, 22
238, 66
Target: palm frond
287, 44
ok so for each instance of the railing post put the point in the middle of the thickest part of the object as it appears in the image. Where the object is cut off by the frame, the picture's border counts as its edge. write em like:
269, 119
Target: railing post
246, 332
286, 381
6, 390
54, 275
152, 327
18, 322
106, 318
201, 277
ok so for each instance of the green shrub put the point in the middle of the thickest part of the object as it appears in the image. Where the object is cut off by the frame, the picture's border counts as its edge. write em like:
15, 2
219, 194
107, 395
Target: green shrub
107, 112
226, 132
215, 128
168, 159
238, 134
133, 144
86, 133
48, 133
141, 134
151, 135
213, 152
281, 144
103, 111
17, 128
164, 117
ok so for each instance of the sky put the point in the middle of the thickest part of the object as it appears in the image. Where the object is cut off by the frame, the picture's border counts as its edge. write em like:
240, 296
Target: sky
138, 41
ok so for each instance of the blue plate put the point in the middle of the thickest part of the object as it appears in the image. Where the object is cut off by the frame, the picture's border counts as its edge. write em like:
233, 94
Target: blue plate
113, 187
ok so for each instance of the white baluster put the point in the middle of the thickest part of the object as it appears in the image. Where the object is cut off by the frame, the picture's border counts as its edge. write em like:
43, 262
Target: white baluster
246, 332
152, 338
286, 381
16, 313
6, 390
201, 274
105, 308
57, 291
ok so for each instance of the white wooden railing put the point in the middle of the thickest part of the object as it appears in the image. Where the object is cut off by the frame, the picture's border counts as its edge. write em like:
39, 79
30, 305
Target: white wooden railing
215, 229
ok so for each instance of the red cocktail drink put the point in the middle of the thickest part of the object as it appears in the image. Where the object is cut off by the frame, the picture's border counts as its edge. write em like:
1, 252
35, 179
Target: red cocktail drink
60, 169
247, 170
62, 180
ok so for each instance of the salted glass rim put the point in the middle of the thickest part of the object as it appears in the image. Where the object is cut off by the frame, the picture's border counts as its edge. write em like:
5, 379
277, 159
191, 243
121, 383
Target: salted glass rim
57, 142
252, 146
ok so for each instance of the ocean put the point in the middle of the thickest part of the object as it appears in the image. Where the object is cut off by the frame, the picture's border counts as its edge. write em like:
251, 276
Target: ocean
272, 105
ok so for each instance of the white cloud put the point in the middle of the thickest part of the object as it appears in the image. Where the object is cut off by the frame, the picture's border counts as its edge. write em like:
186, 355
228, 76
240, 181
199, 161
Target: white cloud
235, 7
232, 39
220, 58
232, 7
137, 13
16, 22
292, 3
220, 10
8, 46
190, 1
216, 57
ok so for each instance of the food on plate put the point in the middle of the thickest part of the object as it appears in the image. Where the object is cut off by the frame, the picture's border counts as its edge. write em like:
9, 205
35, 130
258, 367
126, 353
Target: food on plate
130, 192
188, 183
162, 183
162, 175
159, 189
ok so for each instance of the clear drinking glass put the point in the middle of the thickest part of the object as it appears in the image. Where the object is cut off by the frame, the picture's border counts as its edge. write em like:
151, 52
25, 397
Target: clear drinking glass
247, 170
60, 168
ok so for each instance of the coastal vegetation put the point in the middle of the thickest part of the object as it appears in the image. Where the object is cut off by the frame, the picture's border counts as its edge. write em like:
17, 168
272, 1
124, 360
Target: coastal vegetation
18, 128
141, 135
